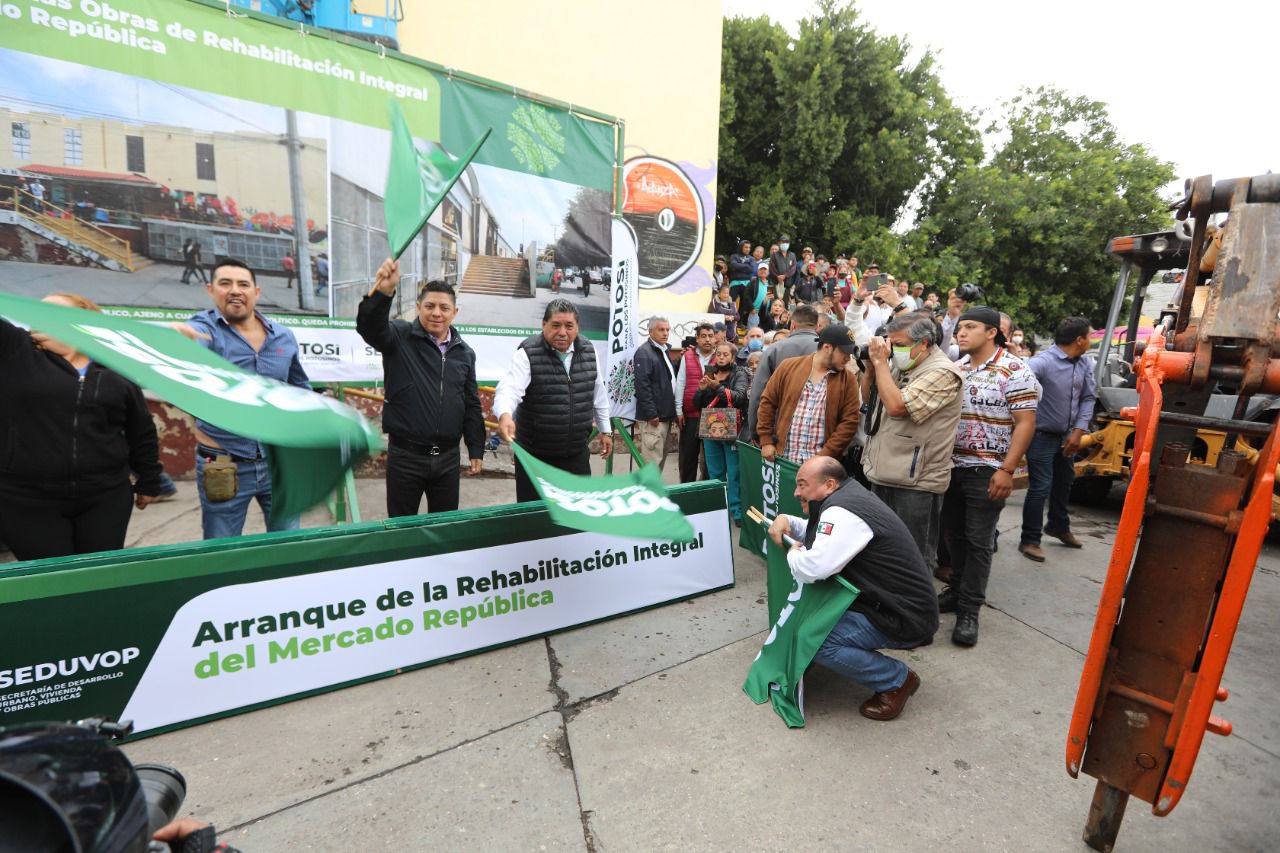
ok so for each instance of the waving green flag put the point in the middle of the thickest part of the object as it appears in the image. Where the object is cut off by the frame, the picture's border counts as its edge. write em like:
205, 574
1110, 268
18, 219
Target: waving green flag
417, 182
807, 617
311, 440
634, 505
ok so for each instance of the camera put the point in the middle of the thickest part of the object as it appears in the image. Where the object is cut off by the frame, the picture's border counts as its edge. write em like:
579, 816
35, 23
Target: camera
969, 292
67, 787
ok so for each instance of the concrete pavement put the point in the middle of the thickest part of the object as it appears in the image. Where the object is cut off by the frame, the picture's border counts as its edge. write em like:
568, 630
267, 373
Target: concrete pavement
634, 734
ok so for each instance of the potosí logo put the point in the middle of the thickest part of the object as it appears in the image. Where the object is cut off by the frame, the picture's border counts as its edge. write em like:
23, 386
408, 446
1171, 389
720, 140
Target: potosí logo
67, 667
615, 503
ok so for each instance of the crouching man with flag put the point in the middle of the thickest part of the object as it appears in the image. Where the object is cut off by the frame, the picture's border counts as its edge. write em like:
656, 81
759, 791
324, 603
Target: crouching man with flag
852, 533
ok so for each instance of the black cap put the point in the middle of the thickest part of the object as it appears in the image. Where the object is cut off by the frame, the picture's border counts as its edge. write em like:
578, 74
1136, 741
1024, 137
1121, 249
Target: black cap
784, 239
840, 336
987, 316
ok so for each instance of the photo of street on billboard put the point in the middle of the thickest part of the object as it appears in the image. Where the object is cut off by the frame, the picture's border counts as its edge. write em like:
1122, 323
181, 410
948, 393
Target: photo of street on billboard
507, 241
126, 190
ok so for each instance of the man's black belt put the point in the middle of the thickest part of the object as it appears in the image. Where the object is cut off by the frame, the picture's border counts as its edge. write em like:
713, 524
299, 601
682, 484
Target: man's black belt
430, 448
1052, 431
212, 453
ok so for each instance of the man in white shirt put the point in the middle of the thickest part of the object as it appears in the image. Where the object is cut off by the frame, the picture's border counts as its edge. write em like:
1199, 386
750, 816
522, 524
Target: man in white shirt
551, 397
852, 533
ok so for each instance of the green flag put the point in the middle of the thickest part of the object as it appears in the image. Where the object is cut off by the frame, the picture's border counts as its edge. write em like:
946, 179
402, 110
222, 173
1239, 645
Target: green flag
810, 611
417, 182
634, 505
771, 488
311, 440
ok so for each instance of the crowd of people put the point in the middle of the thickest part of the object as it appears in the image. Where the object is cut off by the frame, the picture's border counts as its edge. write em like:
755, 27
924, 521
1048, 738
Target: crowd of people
908, 417
908, 413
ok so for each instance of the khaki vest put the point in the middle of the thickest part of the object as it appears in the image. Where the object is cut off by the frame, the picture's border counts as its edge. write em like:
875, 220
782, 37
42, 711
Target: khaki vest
909, 455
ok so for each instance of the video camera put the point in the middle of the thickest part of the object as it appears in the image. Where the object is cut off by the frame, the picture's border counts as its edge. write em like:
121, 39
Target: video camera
67, 788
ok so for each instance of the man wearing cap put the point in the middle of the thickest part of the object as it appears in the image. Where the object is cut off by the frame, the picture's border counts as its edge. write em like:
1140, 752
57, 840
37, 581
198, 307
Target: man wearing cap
810, 403
803, 340
755, 297
997, 423
782, 266
809, 286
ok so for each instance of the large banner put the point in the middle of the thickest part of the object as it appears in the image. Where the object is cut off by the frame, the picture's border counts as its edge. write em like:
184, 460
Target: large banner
149, 137
174, 635
771, 488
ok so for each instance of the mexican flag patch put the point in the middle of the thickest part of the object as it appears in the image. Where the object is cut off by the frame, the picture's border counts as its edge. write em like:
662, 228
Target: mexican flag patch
825, 528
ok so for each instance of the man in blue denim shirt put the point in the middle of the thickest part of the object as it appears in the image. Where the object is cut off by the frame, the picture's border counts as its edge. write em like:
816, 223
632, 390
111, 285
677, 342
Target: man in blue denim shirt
1062, 418
235, 330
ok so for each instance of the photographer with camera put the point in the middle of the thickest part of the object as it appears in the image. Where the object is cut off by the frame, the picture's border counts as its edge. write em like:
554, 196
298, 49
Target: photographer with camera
911, 428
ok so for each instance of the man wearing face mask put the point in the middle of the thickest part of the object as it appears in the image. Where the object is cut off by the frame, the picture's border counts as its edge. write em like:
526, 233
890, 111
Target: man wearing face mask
911, 431
753, 343
782, 266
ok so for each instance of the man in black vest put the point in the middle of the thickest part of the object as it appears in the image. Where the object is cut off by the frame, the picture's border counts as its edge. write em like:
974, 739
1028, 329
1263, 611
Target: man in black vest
851, 532
551, 397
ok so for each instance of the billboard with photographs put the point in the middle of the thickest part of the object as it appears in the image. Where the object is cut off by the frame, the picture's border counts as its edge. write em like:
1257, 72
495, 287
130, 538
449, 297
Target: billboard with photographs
149, 137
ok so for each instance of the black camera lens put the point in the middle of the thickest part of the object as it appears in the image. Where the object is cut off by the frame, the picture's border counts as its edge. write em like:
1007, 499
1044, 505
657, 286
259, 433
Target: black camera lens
164, 789
969, 292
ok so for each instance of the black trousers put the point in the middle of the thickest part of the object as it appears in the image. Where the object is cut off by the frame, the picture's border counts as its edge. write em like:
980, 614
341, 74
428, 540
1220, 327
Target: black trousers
690, 450
35, 528
412, 473
969, 521
577, 463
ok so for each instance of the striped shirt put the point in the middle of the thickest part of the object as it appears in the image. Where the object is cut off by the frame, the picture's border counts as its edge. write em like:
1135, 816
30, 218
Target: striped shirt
992, 392
808, 428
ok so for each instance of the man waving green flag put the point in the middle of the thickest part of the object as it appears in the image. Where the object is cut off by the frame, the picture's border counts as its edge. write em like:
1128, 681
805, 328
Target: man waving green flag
311, 440
634, 505
417, 182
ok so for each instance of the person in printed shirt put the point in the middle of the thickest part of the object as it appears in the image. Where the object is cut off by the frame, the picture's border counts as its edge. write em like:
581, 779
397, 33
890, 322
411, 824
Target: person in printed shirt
997, 423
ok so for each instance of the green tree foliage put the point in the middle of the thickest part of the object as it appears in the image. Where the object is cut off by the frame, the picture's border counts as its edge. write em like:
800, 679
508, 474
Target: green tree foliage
827, 135
1031, 224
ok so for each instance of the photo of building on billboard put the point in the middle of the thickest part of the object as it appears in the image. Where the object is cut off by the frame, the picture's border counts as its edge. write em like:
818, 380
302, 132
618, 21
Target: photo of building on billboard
126, 190
508, 242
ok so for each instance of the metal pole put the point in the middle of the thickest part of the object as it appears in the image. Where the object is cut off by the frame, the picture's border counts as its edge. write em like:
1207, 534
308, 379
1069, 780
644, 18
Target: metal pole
306, 291
1117, 302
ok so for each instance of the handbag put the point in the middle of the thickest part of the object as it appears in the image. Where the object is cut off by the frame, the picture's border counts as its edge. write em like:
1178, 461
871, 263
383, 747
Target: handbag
720, 423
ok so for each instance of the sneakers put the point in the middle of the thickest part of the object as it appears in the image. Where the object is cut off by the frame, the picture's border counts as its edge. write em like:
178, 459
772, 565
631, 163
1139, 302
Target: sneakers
966, 630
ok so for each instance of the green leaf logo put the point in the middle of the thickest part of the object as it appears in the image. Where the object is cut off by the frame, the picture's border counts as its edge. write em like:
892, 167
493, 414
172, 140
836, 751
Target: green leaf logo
535, 137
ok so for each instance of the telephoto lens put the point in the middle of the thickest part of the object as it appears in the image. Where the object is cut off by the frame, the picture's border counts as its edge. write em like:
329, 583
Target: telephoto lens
164, 790
969, 292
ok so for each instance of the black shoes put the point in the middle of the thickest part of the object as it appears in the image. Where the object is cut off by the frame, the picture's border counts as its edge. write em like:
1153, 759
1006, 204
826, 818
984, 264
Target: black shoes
966, 630
947, 601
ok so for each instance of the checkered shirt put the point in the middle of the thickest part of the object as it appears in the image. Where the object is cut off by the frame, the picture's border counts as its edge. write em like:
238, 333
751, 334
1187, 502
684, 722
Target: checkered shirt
809, 423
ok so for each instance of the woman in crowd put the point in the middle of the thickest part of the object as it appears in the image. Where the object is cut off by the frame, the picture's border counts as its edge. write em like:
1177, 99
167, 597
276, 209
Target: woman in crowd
755, 296
724, 384
722, 304
70, 431
772, 319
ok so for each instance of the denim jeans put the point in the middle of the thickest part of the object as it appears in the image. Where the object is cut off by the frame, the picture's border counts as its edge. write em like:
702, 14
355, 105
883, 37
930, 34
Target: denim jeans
969, 520
226, 518
1051, 476
722, 464
921, 512
850, 650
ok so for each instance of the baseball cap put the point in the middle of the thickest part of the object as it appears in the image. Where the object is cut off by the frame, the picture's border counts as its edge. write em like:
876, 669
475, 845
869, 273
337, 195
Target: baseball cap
806, 249
838, 335
719, 327
763, 265
987, 316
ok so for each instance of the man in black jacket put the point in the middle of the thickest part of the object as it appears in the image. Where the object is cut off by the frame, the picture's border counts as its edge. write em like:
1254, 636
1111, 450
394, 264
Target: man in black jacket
655, 396
852, 533
432, 400
782, 267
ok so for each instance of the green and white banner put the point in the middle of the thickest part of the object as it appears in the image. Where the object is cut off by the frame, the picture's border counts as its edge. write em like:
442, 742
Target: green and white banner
312, 440
176, 635
151, 126
634, 504
771, 488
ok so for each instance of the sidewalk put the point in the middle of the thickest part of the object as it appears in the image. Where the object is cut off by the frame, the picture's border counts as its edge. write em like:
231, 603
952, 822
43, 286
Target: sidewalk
634, 734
